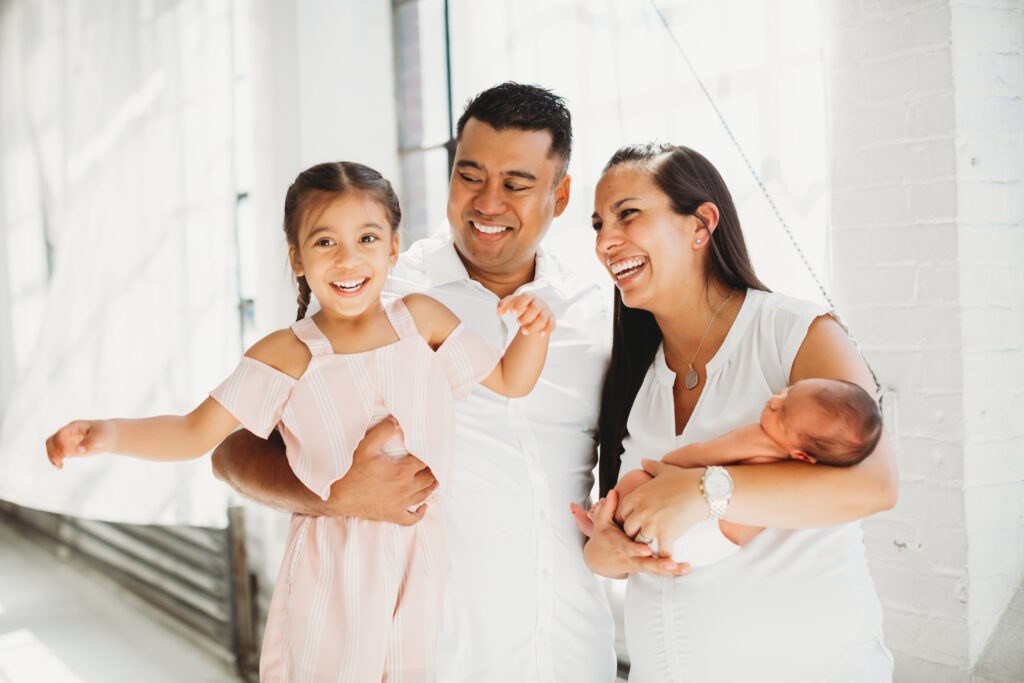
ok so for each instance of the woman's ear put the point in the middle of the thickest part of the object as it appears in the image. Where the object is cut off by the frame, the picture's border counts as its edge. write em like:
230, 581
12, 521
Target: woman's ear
707, 214
293, 257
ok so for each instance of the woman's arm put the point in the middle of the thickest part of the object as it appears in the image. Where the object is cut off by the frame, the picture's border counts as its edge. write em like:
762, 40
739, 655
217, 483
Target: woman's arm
376, 487
789, 495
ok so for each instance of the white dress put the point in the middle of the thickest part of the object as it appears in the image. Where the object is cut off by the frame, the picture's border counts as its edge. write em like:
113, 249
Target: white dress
790, 606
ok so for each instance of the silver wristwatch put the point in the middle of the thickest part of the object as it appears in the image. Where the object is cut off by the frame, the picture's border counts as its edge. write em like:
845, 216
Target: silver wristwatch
716, 485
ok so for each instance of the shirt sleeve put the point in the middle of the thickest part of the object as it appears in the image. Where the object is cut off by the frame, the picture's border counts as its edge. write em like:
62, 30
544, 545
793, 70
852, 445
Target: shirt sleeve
255, 394
466, 359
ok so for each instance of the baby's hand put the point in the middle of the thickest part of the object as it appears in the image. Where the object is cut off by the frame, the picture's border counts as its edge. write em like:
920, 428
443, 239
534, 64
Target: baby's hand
585, 518
533, 313
78, 438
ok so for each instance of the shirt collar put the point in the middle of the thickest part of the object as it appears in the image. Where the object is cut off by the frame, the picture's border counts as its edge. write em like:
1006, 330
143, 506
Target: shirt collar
442, 264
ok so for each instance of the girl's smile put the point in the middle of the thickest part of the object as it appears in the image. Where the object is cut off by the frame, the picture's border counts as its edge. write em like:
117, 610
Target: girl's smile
345, 249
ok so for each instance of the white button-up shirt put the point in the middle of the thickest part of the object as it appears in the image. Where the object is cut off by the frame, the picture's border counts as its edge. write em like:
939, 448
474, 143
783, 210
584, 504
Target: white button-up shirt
520, 604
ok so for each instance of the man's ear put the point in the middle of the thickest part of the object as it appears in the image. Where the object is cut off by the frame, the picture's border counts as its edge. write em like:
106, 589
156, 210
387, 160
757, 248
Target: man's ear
562, 194
805, 457
293, 258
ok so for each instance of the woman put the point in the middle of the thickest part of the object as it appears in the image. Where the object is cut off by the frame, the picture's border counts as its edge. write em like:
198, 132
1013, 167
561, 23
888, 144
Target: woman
699, 347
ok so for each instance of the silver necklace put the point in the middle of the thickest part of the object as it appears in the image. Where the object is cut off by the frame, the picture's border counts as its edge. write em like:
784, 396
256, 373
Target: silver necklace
691, 375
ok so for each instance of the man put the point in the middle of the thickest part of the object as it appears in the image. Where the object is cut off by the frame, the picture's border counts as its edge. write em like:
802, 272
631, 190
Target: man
520, 604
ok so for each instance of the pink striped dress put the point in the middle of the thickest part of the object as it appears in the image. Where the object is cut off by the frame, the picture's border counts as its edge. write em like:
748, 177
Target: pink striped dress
358, 601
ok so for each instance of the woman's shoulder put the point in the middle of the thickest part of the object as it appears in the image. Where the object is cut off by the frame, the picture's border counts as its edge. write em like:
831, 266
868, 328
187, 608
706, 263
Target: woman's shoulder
772, 305
283, 351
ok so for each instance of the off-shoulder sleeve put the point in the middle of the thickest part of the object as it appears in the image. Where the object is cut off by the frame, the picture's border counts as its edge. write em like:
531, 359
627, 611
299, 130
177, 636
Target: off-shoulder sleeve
255, 394
466, 359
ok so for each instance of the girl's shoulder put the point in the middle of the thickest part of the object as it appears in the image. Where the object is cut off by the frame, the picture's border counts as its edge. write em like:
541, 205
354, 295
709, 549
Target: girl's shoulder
433, 319
283, 351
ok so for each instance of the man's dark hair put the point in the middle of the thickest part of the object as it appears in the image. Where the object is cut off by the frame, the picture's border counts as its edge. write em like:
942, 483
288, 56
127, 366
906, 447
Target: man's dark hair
523, 107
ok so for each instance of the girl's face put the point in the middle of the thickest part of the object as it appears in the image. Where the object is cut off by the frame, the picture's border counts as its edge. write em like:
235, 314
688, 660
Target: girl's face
345, 249
648, 249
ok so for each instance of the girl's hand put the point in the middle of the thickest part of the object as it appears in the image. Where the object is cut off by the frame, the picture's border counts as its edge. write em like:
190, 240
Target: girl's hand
611, 553
665, 507
79, 438
533, 313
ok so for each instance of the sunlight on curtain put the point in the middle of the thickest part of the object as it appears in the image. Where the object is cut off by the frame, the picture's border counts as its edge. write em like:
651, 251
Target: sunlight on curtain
117, 205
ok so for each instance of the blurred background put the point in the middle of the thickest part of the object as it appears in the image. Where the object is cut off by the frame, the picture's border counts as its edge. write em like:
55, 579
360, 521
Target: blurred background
875, 149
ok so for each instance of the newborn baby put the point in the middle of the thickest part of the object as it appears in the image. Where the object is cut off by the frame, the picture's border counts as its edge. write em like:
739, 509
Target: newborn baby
829, 422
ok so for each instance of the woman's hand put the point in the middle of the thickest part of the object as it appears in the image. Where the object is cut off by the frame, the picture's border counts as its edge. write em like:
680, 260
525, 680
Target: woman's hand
612, 554
665, 507
79, 438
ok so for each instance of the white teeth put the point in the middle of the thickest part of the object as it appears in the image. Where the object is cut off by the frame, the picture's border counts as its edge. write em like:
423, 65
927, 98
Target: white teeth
350, 285
620, 268
489, 229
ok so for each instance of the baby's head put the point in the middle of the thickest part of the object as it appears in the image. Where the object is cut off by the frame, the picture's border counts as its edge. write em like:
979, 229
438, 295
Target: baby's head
823, 420
341, 223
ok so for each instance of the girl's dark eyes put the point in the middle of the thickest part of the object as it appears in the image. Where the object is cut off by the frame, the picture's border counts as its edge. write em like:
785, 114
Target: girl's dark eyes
324, 242
368, 238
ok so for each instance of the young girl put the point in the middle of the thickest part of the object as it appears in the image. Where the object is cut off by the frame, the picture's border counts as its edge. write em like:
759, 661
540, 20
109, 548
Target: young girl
355, 600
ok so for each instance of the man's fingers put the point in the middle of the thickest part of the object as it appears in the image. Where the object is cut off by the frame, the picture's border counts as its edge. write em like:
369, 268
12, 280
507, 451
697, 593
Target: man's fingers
377, 435
663, 566
411, 517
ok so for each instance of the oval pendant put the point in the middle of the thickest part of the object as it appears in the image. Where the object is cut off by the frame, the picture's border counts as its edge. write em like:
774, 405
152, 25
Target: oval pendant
691, 378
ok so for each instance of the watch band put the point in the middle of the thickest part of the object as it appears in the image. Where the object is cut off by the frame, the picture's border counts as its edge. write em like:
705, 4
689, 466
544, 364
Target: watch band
718, 502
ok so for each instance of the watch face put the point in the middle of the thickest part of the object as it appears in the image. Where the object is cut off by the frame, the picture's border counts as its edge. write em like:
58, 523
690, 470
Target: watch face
718, 484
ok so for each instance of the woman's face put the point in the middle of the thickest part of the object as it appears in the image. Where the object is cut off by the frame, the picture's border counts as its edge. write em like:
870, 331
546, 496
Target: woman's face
647, 248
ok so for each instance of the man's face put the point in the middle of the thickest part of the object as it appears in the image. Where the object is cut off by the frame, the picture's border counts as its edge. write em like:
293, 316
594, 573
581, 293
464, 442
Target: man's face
502, 197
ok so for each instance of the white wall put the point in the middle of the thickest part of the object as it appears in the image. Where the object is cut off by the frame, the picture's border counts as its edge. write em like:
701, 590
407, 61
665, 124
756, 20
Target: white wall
925, 147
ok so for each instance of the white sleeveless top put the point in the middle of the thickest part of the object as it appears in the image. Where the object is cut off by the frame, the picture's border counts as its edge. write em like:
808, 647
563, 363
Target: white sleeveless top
791, 605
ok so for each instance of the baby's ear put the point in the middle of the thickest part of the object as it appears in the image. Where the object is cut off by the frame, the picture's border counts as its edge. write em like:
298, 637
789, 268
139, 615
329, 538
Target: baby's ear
805, 457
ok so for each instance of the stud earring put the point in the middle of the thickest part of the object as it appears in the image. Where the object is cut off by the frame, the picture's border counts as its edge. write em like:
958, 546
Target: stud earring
698, 240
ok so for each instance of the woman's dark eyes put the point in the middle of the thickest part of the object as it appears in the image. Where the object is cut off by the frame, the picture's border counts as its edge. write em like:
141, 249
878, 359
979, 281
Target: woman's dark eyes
626, 212
597, 225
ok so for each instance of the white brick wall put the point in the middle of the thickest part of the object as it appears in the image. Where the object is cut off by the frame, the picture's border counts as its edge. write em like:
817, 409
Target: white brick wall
925, 140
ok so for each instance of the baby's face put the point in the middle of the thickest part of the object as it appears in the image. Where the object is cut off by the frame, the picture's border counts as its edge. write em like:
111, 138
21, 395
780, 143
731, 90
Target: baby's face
793, 413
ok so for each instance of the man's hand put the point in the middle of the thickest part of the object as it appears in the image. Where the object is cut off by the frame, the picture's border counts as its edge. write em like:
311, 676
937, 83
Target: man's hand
377, 487
381, 487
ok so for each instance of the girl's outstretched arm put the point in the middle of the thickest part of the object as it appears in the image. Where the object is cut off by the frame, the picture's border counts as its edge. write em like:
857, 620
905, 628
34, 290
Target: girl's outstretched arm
167, 437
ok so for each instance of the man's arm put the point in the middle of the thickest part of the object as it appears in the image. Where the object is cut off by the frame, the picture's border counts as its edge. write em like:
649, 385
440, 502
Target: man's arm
377, 487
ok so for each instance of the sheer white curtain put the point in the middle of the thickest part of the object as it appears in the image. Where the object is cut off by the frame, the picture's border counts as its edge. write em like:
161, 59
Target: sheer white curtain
116, 211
